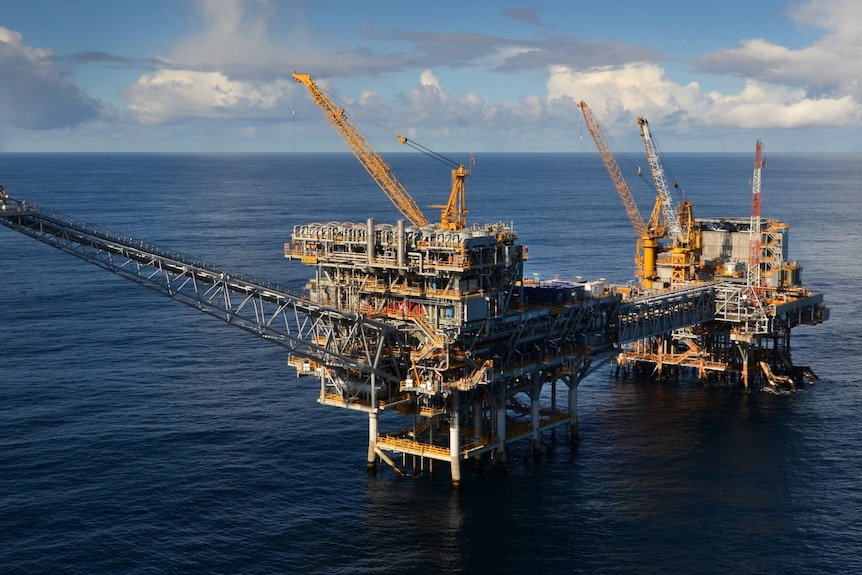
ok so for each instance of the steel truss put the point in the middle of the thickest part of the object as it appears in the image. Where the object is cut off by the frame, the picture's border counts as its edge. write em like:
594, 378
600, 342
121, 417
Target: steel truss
338, 339
660, 314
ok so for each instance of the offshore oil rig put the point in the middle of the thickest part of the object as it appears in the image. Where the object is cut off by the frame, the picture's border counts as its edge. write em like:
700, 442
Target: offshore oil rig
433, 331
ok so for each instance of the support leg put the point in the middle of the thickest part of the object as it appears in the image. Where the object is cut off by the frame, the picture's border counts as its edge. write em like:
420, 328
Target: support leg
455, 441
501, 435
477, 427
535, 420
744, 350
372, 442
573, 407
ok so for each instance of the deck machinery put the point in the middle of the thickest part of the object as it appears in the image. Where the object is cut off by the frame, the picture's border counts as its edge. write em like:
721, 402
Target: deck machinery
759, 296
480, 343
483, 349
748, 342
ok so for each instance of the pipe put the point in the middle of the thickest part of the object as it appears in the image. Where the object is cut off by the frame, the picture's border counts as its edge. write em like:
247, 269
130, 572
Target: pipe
370, 244
402, 248
501, 431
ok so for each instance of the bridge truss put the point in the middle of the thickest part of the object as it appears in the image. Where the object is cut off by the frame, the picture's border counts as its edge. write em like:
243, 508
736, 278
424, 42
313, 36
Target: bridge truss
329, 336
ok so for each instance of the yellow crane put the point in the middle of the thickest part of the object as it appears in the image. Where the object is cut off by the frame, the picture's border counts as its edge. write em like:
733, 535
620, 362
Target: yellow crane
680, 222
454, 213
648, 232
367, 156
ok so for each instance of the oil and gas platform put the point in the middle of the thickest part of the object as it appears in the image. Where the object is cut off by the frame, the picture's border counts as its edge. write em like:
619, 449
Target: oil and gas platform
432, 330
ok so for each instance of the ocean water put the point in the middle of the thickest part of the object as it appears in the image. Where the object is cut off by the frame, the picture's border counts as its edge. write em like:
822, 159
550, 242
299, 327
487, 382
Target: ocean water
139, 436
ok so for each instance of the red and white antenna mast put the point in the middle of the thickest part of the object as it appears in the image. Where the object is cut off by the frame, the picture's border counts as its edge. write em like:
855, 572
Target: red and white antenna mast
753, 275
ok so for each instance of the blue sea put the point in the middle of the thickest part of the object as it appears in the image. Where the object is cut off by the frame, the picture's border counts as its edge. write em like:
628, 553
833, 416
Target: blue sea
140, 436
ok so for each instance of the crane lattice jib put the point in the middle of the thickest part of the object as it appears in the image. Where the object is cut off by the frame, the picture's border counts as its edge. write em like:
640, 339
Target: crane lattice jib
670, 214
614, 170
370, 159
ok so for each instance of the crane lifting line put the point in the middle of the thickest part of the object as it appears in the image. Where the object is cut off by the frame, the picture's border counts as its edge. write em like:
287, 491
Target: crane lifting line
620, 154
415, 145
429, 152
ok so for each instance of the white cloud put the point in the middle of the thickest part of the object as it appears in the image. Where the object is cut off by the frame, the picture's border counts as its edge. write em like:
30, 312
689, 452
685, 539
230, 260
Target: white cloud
816, 86
617, 95
227, 71
234, 69
829, 67
635, 85
429, 78
36, 94
235, 39
230, 71
171, 95
843, 17
805, 86
769, 106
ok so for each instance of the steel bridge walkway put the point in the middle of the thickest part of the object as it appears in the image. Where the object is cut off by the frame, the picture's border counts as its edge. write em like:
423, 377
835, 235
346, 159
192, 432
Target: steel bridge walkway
305, 328
664, 313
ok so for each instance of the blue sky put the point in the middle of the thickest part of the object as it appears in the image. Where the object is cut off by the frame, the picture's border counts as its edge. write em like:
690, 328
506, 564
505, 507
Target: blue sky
479, 75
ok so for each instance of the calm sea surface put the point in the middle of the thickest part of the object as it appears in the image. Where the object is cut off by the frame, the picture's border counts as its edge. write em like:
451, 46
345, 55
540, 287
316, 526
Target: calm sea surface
139, 436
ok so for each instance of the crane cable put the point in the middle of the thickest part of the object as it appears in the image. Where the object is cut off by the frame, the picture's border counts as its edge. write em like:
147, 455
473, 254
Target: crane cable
419, 147
623, 158
293, 111
430, 153
427, 151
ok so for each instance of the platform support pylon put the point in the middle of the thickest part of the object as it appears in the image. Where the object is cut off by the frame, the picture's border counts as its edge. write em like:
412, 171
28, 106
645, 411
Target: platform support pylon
455, 440
501, 432
477, 424
535, 422
573, 382
744, 352
372, 441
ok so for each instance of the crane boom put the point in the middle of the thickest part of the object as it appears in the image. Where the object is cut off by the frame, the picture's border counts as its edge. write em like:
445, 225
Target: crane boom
367, 156
649, 233
670, 215
454, 214
614, 170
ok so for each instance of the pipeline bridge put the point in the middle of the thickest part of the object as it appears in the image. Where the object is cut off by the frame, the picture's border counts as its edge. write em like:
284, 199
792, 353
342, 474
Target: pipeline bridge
360, 361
